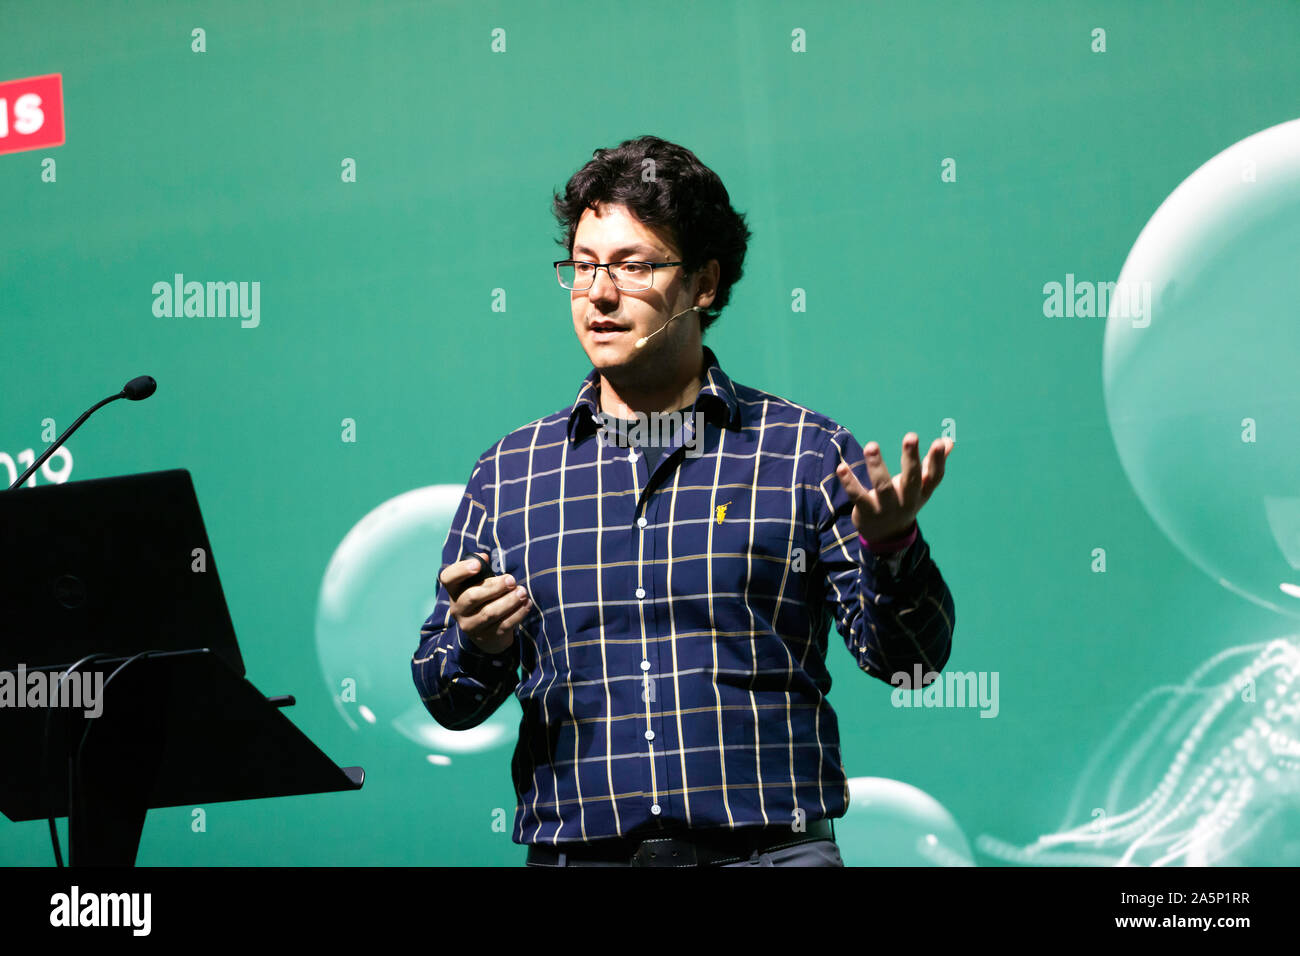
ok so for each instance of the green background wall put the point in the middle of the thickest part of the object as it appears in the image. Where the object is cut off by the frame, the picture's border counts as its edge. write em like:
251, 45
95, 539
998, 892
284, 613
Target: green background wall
924, 302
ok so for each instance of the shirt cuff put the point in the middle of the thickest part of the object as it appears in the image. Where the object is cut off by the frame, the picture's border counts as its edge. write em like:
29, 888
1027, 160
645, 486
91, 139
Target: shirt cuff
890, 547
475, 660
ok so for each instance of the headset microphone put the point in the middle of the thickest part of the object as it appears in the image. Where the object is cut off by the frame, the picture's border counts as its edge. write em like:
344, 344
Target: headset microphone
640, 343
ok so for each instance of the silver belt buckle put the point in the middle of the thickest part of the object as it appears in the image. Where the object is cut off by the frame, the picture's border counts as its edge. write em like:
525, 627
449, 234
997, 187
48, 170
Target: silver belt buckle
665, 851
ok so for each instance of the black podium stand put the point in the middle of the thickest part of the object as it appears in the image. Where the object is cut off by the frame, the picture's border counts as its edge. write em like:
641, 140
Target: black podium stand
109, 567
178, 728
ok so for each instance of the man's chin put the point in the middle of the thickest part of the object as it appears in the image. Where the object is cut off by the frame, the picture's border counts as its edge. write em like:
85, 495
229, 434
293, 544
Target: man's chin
611, 355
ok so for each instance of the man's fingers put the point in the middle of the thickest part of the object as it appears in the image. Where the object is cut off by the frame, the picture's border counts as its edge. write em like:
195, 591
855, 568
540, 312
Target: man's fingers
455, 577
934, 465
514, 602
477, 597
461, 571
876, 469
514, 620
859, 495
911, 473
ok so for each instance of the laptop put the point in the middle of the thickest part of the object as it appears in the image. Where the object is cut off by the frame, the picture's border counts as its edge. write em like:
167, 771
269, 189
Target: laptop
110, 565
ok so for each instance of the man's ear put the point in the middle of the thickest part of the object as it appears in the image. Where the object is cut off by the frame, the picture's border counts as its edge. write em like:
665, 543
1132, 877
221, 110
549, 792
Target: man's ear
709, 274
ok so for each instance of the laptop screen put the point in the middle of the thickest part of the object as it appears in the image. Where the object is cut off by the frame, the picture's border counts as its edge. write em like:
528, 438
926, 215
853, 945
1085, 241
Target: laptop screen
113, 565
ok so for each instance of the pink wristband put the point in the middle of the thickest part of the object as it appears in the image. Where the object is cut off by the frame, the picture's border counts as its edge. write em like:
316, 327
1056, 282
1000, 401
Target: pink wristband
893, 547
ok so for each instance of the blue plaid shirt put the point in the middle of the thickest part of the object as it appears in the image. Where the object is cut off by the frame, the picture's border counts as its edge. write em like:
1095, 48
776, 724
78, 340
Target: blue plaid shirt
672, 667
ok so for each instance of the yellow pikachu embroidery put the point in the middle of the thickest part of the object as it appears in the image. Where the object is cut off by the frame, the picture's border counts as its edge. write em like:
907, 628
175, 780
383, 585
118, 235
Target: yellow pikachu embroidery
722, 511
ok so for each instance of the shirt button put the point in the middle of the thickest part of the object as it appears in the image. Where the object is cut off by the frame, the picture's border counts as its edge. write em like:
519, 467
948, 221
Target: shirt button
654, 808
649, 735
645, 665
641, 522
631, 456
640, 592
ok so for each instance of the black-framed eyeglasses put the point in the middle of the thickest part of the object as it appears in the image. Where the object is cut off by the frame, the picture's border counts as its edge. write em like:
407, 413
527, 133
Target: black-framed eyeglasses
633, 275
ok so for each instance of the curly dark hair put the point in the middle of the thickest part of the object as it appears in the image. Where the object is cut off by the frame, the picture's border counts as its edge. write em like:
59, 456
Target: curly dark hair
684, 195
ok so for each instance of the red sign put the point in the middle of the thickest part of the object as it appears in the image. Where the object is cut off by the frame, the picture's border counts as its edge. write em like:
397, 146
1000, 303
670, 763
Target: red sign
31, 113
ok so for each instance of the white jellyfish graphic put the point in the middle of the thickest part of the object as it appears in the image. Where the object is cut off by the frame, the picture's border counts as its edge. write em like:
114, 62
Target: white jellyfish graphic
1213, 777
1204, 406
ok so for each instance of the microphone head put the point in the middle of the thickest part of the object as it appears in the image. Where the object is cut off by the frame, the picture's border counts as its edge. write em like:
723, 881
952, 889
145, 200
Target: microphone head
640, 343
140, 388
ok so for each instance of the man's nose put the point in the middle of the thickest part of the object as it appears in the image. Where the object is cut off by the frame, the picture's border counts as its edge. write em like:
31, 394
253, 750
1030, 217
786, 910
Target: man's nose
602, 286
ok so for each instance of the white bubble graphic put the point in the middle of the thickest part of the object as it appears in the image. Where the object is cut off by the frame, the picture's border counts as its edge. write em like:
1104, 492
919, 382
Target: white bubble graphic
379, 588
1203, 392
891, 823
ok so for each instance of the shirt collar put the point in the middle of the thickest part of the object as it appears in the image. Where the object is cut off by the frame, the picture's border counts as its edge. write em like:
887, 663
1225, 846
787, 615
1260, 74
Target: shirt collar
717, 394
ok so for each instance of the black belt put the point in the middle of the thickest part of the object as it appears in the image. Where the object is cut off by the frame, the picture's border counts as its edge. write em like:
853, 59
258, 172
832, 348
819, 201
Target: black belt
705, 847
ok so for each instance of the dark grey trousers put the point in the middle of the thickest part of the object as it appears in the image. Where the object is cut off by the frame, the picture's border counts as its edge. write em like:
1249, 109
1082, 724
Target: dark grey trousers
812, 853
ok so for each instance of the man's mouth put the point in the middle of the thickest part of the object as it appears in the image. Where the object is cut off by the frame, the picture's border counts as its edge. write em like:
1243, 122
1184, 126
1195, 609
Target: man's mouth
605, 328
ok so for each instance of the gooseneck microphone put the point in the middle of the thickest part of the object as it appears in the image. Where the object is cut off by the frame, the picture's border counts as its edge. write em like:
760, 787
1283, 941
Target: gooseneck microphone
640, 343
137, 389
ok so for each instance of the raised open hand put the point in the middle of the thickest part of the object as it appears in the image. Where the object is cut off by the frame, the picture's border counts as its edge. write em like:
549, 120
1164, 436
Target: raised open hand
887, 509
